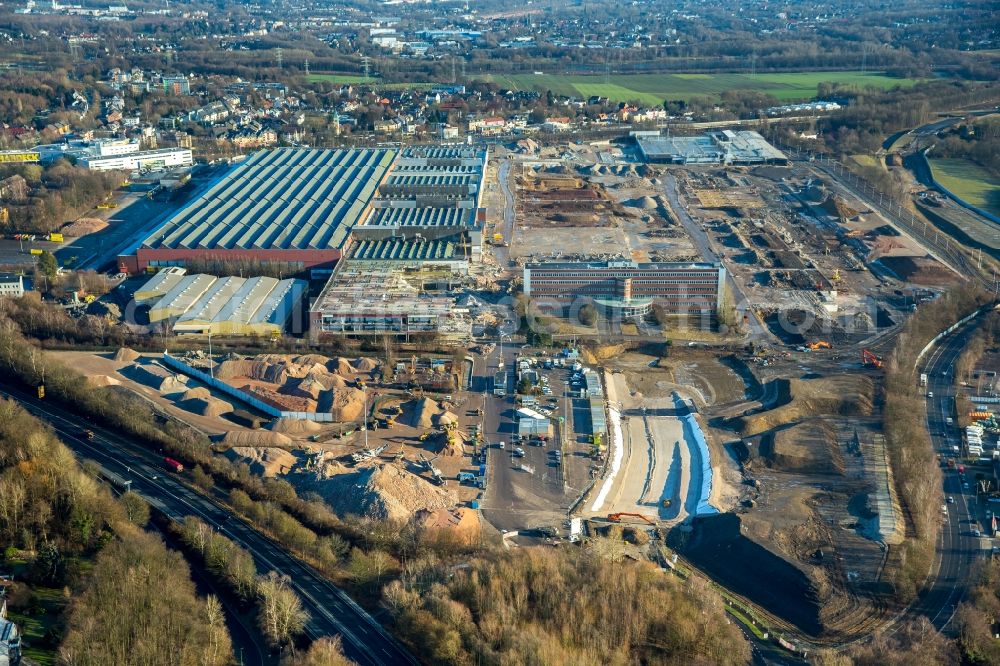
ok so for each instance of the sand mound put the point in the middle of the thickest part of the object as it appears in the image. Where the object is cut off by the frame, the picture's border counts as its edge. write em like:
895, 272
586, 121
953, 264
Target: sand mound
295, 427
206, 406
365, 364
340, 365
100, 381
173, 384
347, 404
446, 418
838, 395
384, 492
236, 438
451, 446
420, 413
197, 393
646, 203
84, 226
265, 461
126, 355
310, 360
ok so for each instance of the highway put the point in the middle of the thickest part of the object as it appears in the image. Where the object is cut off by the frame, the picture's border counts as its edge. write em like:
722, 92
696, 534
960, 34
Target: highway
331, 611
957, 548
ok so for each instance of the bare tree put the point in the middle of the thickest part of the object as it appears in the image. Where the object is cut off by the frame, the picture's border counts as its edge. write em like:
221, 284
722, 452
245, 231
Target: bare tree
281, 613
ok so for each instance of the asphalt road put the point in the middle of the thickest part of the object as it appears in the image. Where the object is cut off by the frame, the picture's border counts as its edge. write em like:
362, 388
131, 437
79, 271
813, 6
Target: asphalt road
957, 548
331, 611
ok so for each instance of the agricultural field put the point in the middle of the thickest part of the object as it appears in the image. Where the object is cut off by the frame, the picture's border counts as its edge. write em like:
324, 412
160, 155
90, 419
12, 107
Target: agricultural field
969, 181
652, 89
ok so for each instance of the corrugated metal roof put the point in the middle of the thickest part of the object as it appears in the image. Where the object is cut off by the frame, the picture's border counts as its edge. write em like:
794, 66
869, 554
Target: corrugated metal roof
283, 198
185, 293
213, 300
394, 250
422, 217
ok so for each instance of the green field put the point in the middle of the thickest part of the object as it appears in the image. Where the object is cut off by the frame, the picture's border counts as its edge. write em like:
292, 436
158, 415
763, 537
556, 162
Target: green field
344, 79
336, 78
969, 181
652, 89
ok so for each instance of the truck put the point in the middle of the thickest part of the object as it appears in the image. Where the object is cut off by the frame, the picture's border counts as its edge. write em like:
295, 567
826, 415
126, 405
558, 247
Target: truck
923, 379
86, 434
173, 465
54, 238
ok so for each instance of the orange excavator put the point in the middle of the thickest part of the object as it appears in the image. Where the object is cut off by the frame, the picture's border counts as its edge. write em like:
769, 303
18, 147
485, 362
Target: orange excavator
819, 344
617, 517
870, 359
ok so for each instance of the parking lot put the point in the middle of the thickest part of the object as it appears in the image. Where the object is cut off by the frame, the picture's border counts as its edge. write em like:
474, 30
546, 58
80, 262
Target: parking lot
535, 479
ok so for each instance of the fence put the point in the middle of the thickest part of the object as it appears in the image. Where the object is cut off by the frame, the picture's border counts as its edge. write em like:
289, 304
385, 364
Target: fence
234, 392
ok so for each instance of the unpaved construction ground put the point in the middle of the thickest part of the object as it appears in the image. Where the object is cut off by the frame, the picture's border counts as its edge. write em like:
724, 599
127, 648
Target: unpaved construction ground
806, 542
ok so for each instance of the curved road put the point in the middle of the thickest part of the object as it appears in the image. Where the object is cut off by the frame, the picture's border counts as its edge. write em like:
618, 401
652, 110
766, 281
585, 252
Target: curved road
331, 611
957, 548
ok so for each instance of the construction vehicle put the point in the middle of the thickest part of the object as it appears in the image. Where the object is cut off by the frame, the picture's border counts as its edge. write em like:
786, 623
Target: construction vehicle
870, 359
435, 472
617, 517
836, 276
819, 344
54, 237
107, 205
368, 454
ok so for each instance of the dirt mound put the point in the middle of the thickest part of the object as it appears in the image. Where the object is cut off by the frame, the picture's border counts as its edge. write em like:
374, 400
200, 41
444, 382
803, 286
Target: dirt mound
125, 355
293, 427
384, 492
84, 226
843, 395
420, 413
835, 205
919, 270
197, 393
806, 448
235, 438
264, 461
365, 364
206, 406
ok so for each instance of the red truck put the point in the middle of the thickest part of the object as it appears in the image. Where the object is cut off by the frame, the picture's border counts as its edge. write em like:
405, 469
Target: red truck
173, 465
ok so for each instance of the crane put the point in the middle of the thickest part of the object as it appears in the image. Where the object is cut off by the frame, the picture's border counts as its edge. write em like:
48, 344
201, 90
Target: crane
870, 359
617, 517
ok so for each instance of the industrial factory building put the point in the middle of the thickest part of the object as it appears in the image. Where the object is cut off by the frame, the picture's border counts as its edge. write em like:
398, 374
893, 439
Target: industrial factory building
724, 147
424, 230
235, 306
290, 206
627, 288
369, 298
